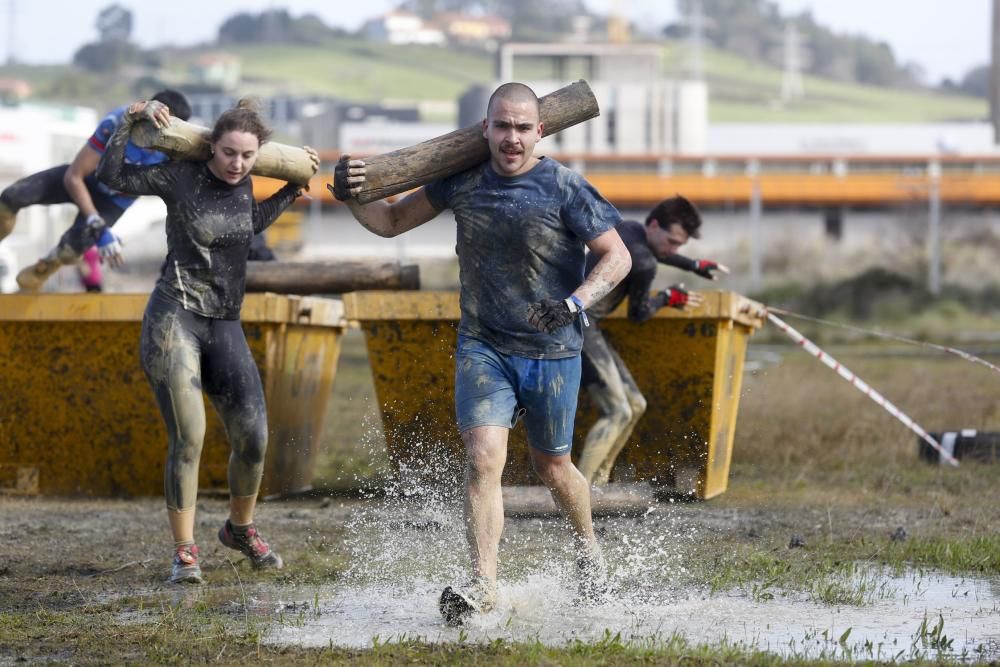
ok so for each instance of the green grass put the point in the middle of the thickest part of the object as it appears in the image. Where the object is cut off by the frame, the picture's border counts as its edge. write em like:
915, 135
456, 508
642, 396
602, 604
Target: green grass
745, 91
812, 457
355, 69
199, 633
842, 571
189, 634
352, 68
740, 90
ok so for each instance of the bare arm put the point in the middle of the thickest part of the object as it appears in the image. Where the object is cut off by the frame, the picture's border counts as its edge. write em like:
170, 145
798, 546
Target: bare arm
379, 217
83, 165
612, 267
388, 220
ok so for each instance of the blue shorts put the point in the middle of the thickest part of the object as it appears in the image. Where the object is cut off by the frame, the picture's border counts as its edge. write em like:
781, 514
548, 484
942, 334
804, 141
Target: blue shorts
494, 389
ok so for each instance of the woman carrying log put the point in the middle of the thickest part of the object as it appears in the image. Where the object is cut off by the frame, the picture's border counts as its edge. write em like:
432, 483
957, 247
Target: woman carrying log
192, 340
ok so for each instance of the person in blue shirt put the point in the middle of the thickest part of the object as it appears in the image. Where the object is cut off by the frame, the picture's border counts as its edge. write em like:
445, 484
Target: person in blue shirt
524, 224
98, 206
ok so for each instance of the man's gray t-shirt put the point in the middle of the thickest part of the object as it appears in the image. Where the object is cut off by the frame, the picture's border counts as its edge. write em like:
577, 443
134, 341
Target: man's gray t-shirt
520, 240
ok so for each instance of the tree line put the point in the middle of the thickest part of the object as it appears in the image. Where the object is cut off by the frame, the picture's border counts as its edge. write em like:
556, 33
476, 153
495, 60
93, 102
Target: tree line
754, 29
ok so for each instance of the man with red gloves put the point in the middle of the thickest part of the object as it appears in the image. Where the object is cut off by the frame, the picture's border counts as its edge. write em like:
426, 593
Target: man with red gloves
610, 384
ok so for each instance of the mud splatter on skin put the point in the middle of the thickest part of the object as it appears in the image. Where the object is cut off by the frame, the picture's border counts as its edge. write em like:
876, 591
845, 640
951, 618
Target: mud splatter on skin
605, 275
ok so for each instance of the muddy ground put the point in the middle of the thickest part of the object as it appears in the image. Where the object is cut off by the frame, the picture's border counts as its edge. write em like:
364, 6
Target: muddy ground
820, 478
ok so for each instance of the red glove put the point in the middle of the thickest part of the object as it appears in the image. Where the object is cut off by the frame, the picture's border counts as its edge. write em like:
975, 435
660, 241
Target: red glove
704, 268
677, 296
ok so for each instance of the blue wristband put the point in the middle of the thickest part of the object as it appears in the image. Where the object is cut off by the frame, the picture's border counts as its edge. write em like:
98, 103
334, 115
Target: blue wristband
579, 306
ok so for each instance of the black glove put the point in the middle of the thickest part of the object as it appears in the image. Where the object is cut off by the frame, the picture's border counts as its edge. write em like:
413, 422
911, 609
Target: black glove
548, 315
340, 188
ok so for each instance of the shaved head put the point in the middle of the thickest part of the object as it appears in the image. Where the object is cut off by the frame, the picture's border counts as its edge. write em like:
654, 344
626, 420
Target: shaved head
513, 92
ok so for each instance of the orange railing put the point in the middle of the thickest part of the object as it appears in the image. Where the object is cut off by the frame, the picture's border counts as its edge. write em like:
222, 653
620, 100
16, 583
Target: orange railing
783, 181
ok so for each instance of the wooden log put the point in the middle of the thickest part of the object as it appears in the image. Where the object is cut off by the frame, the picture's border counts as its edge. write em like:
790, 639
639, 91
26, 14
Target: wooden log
330, 277
391, 173
185, 141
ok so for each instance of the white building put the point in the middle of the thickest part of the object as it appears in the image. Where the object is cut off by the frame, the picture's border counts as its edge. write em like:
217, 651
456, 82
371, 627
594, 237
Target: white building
850, 139
400, 27
217, 69
485, 32
642, 111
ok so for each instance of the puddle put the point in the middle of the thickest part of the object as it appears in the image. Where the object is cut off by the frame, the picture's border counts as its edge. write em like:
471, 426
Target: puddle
946, 617
940, 617
403, 552
401, 565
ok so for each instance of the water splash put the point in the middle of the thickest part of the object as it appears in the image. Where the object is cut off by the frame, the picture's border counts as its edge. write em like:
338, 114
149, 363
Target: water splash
408, 543
943, 617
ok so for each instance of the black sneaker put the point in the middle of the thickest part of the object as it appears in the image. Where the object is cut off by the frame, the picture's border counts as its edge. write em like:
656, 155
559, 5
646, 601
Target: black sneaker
478, 597
185, 569
251, 545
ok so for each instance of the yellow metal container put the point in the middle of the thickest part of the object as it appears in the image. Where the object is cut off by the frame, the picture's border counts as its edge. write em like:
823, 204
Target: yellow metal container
285, 235
78, 416
688, 365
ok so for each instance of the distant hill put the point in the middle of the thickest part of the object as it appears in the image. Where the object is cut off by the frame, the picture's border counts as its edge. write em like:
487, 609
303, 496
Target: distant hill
352, 68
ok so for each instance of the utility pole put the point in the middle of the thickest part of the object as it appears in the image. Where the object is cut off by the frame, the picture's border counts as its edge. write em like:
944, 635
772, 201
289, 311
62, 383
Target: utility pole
696, 25
11, 11
934, 228
791, 79
995, 74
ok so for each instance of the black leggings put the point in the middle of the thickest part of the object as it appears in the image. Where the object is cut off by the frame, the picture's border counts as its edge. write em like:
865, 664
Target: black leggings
182, 354
46, 187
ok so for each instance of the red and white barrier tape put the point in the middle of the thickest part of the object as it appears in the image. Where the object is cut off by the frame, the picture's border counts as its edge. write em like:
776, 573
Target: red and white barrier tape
862, 386
891, 336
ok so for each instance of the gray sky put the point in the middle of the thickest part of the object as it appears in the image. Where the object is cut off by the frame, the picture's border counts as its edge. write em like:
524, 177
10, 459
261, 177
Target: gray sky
947, 38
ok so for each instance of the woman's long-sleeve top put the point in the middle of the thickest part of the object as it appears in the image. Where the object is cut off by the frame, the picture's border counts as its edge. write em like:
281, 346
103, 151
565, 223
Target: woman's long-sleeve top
210, 224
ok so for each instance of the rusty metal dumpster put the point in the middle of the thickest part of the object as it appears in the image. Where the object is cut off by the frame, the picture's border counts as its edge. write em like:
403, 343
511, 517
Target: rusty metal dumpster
77, 416
689, 366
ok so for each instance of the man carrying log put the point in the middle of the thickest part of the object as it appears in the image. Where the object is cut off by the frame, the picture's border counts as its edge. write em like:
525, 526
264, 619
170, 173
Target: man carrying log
608, 381
98, 206
523, 225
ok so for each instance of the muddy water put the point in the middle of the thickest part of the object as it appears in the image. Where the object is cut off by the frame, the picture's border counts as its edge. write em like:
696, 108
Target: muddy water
404, 553
542, 608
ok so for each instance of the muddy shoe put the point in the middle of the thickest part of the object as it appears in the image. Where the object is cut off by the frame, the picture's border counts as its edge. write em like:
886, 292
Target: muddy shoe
593, 587
7, 217
31, 278
458, 604
251, 545
185, 569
